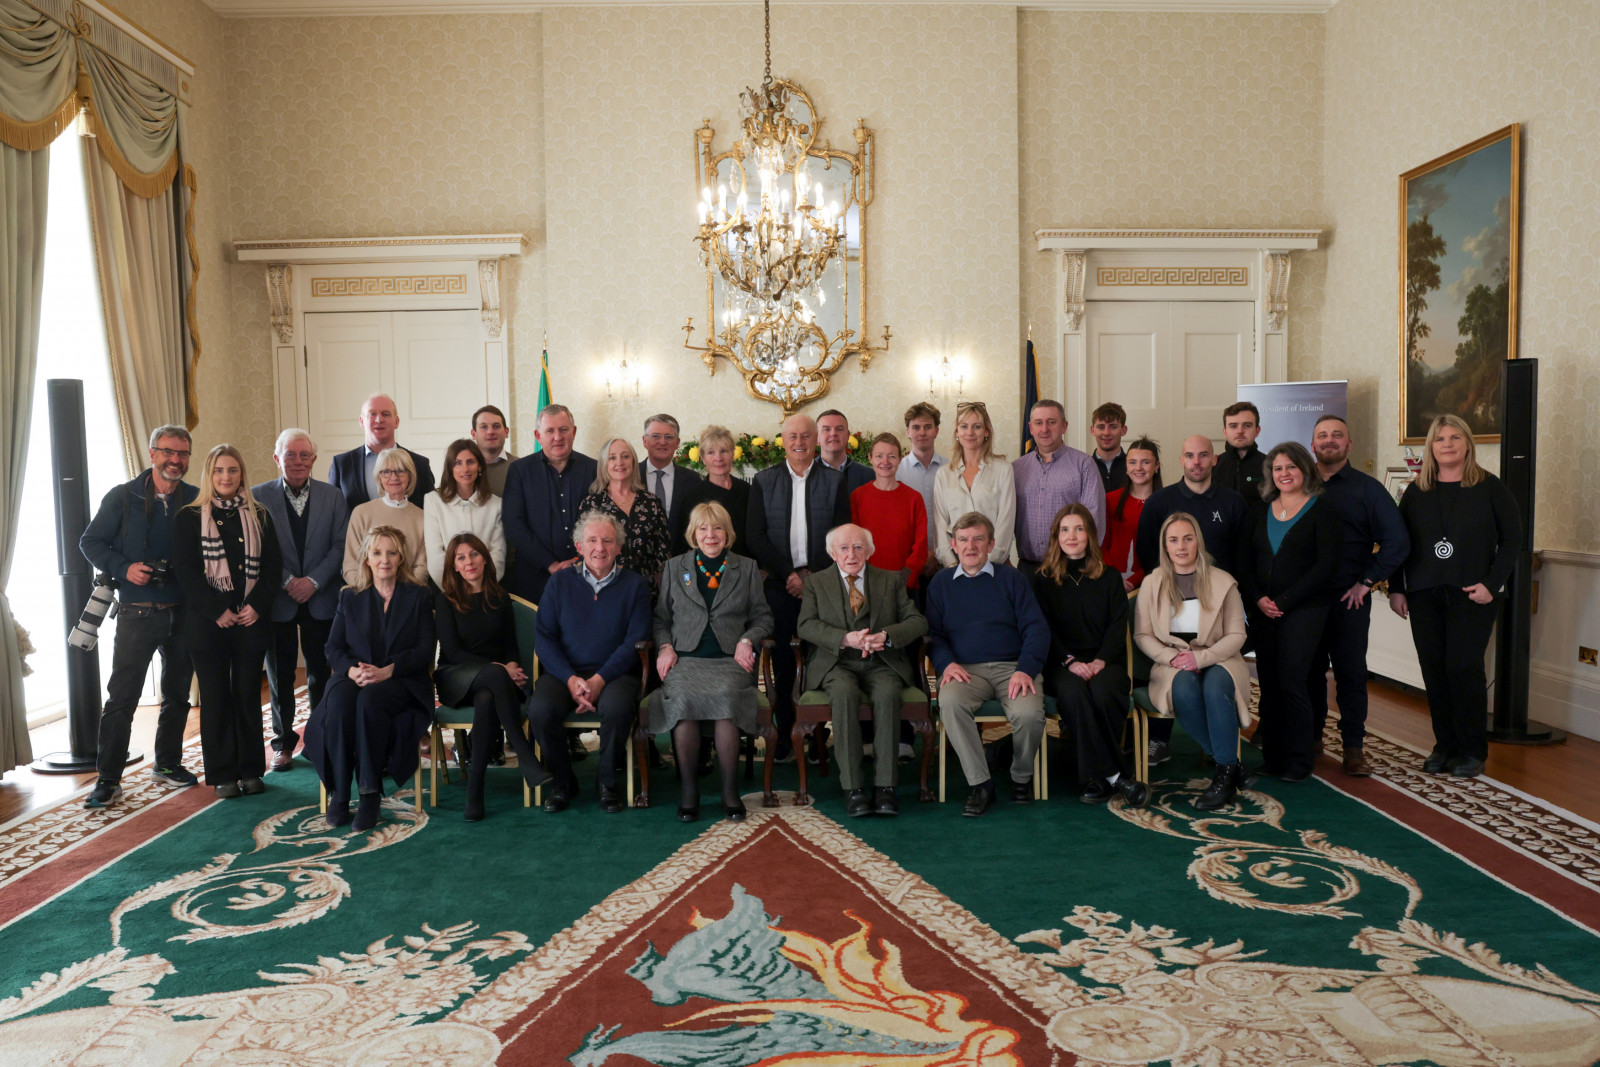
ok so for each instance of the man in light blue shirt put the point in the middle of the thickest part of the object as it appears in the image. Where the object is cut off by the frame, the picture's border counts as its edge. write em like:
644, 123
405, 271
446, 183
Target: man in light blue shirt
917, 470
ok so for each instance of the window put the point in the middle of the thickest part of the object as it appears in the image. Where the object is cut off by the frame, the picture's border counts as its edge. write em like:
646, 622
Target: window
72, 344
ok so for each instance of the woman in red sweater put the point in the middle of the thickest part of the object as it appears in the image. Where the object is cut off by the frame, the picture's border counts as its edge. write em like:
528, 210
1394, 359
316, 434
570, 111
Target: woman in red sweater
893, 513
1123, 507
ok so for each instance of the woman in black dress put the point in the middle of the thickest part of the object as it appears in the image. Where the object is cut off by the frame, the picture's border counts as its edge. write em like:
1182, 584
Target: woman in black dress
478, 665
719, 486
1286, 579
226, 558
619, 490
1465, 534
1087, 670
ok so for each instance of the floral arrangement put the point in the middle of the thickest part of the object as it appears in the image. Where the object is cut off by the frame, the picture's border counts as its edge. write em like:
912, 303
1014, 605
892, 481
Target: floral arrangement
759, 453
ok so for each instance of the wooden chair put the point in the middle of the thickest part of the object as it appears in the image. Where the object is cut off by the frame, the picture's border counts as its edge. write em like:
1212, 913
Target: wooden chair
643, 649
642, 738
813, 708
991, 711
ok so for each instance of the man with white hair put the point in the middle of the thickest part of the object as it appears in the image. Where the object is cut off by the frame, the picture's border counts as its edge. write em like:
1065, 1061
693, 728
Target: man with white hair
355, 473
860, 623
591, 617
309, 518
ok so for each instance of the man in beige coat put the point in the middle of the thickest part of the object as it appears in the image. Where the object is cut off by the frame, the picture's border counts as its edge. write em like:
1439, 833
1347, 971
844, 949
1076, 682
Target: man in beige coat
859, 622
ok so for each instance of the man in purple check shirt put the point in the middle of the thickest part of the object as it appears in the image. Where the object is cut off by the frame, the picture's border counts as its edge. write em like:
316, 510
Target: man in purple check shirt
1049, 478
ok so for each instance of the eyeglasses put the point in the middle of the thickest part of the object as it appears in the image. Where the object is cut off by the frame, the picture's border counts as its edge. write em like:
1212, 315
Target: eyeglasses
175, 453
393, 473
660, 437
302, 456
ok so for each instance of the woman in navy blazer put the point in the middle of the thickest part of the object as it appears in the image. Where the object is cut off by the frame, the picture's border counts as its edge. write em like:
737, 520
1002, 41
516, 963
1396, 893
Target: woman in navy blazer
380, 699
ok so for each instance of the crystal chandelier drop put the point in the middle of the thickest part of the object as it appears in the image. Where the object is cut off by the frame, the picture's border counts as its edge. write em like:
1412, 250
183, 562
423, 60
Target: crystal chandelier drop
780, 250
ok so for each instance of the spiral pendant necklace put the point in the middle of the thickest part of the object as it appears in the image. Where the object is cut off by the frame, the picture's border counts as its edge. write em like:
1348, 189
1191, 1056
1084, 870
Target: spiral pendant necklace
712, 580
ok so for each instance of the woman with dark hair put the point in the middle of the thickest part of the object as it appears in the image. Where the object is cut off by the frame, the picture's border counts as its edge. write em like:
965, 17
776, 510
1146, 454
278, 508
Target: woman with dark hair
463, 503
1142, 461
1286, 577
226, 558
1465, 534
478, 665
619, 491
1087, 670
379, 701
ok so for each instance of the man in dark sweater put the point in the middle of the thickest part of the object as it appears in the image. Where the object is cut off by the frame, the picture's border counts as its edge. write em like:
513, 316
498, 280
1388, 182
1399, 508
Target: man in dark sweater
988, 640
1240, 465
1369, 517
1224, 524
590, 618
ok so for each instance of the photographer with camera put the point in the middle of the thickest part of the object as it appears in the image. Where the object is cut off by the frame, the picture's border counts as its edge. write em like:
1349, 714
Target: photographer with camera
130, 540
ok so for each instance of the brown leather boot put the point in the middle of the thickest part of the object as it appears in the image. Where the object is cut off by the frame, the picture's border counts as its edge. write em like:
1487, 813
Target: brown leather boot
1355, 762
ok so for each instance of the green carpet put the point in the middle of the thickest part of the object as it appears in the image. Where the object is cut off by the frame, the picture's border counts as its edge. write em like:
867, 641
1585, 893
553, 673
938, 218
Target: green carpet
1304, 925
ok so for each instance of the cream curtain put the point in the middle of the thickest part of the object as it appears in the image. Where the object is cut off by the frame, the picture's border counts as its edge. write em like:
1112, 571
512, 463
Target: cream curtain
136, 244
24, 187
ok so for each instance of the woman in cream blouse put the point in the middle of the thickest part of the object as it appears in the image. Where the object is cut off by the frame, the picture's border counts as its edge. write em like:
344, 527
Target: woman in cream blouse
396, 474
462, 504
975, 479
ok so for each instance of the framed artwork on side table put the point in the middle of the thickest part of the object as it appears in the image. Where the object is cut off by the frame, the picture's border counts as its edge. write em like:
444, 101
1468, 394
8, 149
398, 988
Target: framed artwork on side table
1459, 237
1395, 480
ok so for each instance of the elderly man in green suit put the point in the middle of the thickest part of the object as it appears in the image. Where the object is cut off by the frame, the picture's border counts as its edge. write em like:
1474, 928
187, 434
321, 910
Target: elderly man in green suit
860, 622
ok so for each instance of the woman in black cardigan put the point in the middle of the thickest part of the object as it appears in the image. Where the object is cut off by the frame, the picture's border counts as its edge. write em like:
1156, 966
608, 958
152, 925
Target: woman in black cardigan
1465, 534
478, 665
1286, 578
226, 558
1087, 670
379, 699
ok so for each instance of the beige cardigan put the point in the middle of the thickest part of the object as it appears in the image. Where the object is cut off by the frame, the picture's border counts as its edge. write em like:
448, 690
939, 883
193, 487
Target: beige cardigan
1220, 638
408, 520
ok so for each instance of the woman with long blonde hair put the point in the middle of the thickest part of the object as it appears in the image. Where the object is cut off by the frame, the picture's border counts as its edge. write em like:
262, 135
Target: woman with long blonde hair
226, 557
619, 491
1465, 535
977, 478
1190, 622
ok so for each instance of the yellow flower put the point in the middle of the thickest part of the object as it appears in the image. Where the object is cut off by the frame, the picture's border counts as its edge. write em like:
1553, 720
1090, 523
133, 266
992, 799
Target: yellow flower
757, 442
738, 452
855, 442
694, 453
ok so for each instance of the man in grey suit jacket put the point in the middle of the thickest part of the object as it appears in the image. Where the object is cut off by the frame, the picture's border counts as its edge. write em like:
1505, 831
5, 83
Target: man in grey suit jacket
860, 622
309, 518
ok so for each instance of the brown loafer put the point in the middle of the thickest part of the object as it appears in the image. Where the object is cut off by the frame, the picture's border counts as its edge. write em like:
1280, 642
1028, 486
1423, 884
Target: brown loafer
281, 761
1355, 763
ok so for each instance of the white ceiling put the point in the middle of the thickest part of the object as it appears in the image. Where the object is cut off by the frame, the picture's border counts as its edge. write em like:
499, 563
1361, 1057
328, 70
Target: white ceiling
328, 8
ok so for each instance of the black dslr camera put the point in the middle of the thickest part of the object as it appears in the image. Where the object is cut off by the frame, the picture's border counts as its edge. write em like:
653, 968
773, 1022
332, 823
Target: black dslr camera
160, 571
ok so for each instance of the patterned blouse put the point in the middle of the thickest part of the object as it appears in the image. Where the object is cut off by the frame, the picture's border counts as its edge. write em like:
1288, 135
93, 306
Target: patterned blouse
644, 550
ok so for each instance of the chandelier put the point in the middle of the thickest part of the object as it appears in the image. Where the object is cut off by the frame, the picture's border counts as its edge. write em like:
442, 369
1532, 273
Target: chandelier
775, 240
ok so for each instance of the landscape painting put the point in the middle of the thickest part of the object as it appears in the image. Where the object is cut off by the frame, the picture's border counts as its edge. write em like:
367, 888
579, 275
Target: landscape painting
1458, 284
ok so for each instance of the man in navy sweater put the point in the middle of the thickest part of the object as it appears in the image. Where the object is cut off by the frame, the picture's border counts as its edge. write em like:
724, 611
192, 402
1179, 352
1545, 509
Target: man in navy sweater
989, 641
590, 618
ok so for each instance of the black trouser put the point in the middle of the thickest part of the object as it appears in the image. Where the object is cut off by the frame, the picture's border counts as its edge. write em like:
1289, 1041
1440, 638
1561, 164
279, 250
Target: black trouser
1093, 712
1452, 634
299, 634
1285, 648
359, 733
141, 633
1344, 644
785, 617
548, 709
496, 702
229, 672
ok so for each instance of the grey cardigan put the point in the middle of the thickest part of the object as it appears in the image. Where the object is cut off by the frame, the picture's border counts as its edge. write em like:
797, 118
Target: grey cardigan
739, 612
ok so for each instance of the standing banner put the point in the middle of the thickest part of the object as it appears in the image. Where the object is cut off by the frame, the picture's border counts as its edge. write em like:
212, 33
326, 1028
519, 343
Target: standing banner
1290, 410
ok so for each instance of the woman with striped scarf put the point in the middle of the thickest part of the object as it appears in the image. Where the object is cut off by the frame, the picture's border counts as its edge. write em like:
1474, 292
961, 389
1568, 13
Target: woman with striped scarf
227, 561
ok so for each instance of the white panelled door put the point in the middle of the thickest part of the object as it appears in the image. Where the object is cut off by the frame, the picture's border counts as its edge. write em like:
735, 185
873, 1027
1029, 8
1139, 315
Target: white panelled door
433, 363
1172, 365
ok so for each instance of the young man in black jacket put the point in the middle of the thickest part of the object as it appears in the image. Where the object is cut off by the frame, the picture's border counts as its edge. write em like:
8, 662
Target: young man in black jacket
1239, 466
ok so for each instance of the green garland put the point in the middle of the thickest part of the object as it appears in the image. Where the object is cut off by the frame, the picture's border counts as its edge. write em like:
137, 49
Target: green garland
759, 453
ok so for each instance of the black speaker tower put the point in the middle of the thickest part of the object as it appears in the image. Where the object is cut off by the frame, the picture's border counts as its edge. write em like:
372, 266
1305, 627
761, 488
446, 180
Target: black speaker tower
1519, 433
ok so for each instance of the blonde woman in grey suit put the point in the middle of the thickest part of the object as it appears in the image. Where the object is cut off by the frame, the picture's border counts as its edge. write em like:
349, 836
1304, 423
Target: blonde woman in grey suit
710, 619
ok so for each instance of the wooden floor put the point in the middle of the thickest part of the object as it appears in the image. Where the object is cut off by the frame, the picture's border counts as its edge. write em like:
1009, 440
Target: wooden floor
1567, 775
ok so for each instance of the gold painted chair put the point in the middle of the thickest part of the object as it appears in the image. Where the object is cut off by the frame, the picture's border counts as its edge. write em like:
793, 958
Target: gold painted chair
643, 649
991, 711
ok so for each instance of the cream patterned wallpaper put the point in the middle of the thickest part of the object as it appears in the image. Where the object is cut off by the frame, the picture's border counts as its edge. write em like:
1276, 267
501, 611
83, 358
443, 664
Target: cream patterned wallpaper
1490, 63
626, 86
380, 127
1170, 119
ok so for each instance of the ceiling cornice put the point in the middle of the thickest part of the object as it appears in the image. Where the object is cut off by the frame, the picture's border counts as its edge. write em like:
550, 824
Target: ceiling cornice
334, 8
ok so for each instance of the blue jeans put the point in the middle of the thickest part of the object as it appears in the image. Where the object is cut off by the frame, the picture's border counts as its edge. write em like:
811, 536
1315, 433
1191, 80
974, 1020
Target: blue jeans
1204, 704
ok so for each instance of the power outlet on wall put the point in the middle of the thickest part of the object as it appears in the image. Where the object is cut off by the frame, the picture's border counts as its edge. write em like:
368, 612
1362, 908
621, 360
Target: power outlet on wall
1589, 656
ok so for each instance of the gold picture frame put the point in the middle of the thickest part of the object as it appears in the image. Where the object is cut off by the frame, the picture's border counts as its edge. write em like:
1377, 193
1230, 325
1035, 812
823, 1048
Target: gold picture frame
1460, 238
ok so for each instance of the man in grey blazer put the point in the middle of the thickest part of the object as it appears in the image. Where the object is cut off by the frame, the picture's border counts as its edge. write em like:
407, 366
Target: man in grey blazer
309, 518
860, 622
